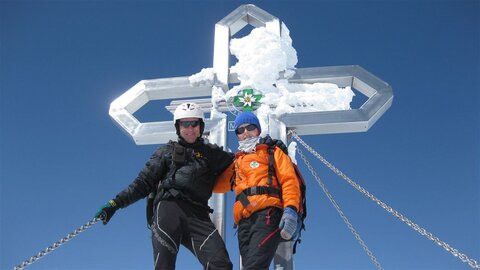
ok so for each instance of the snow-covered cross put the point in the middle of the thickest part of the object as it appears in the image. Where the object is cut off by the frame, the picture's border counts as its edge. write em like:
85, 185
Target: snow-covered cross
276, 114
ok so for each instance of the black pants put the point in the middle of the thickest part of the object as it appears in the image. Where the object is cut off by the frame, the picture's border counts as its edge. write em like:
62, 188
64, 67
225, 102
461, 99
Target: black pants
179, 222
258, 238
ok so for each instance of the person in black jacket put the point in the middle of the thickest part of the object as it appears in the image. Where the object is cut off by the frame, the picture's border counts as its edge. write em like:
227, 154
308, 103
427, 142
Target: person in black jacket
178, 180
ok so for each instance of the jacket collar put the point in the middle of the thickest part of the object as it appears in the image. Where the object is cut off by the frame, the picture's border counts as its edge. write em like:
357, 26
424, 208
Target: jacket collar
196, 144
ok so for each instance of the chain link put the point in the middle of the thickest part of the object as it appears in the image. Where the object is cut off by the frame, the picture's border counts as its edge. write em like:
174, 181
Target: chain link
56, 244
464, 258
339, 211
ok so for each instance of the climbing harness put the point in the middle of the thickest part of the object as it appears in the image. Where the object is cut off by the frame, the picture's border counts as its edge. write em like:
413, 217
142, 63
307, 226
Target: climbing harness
56, 244
464, 258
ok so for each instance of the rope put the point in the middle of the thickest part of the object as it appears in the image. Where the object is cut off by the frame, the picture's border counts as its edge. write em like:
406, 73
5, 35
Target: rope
339, 211
56, 244
464, 258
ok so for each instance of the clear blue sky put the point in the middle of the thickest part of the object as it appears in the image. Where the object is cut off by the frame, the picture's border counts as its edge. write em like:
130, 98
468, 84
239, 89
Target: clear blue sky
63, 62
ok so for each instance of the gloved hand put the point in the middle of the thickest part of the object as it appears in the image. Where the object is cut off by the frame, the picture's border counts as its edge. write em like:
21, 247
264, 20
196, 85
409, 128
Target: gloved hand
273, 142
106, 212
288, 223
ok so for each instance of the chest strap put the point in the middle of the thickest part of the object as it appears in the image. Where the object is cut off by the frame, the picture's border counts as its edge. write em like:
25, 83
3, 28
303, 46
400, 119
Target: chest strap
258, 190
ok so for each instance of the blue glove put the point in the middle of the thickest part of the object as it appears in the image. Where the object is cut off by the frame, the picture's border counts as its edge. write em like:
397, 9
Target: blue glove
288, 223
106, 212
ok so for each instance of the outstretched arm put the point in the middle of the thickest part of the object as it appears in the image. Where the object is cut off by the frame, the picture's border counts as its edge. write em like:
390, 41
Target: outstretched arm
225, 181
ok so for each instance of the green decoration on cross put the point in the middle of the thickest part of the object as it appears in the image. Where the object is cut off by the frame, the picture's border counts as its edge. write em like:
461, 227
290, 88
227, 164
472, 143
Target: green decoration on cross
247, 100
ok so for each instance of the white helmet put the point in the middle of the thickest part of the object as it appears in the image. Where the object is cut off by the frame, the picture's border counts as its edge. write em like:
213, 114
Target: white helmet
187, 110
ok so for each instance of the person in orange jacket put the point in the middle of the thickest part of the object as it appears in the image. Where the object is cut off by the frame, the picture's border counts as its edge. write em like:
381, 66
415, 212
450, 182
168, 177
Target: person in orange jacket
265, 210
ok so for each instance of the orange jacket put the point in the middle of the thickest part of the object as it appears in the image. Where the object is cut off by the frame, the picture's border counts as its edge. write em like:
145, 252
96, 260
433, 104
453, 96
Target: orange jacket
252, 170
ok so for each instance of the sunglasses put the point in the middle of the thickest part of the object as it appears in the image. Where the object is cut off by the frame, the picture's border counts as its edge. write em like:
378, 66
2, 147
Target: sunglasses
241, 130
187, 124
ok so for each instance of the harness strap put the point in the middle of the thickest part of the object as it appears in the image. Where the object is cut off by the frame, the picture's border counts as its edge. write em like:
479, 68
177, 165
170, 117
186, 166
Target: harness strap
258, 190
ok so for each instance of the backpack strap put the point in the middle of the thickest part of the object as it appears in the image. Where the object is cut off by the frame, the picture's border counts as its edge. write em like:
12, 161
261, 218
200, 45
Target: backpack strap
271, 165
271, 168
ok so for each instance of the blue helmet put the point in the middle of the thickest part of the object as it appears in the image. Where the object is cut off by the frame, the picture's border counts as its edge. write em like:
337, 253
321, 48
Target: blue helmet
247, 118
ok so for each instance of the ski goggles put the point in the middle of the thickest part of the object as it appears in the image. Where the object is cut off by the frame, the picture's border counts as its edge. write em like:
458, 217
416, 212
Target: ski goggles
241, 130
187, 124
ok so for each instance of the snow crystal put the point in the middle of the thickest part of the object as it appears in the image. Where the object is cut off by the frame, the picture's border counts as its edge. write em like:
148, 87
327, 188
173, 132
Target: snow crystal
262, 55
205, 75
265, 63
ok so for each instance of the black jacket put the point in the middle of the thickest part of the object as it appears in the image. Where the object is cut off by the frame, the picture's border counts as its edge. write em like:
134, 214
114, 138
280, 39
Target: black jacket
180, 171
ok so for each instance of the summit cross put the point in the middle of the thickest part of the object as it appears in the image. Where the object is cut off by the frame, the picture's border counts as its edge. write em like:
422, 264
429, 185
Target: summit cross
179, 89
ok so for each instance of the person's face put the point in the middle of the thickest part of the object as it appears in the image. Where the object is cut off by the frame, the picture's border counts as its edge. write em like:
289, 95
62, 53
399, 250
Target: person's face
190, 129
246, 131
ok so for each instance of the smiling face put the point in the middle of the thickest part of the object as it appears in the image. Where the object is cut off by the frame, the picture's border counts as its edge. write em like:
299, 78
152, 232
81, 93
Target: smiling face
246, 131
189, 129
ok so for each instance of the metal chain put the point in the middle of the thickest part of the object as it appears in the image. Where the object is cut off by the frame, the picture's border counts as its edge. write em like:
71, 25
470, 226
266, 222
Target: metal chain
464, 258
56, 244
339, 211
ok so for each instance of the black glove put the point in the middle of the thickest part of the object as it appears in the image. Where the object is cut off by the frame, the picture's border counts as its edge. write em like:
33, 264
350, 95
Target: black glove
273, 142
105, 213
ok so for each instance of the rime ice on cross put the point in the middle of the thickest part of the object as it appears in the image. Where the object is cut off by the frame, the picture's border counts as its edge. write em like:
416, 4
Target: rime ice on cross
379, 93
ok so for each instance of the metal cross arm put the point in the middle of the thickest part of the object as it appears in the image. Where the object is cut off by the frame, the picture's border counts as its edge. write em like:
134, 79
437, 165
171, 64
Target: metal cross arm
379, 93
123, 108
